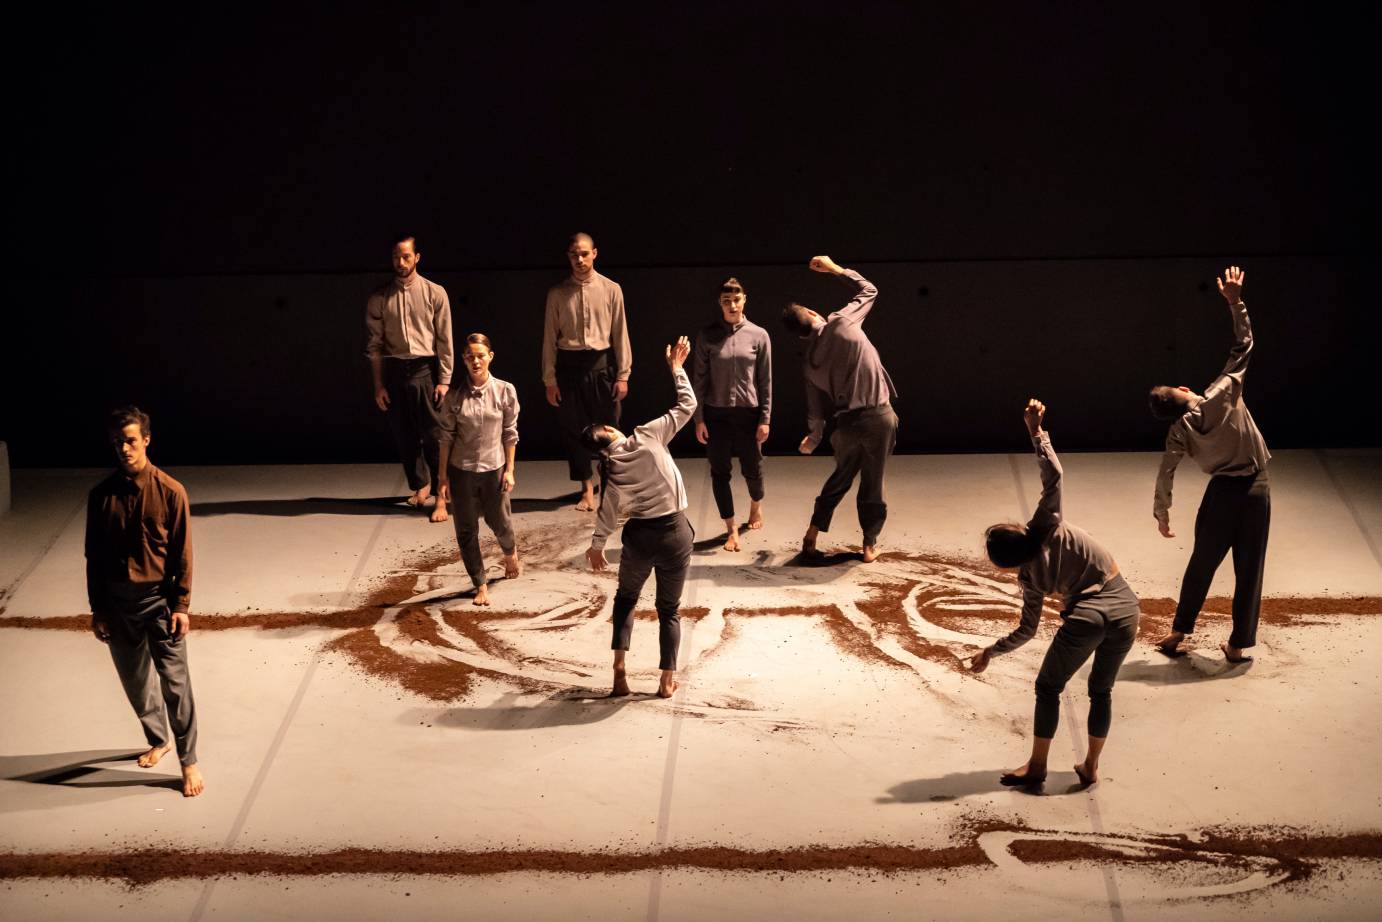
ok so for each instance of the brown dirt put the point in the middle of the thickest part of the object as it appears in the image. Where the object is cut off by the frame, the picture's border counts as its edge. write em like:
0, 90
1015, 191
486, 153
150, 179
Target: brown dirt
884, 608
439, 681
845, 633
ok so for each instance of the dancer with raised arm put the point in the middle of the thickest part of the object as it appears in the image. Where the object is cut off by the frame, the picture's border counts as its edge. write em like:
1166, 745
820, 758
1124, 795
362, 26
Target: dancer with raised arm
846, 379
1099, 612
643, 485
1216, 429
732, 374
477, 438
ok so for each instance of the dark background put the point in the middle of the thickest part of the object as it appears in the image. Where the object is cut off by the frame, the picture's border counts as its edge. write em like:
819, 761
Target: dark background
1043, 196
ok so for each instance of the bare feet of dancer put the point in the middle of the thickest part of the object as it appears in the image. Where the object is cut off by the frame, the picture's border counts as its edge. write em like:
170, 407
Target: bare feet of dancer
755, 515
870, 553
808, 542
621, 682
587, 501
512, 565
1170, 644
732, 536
420, 497
1088, 770
1034, 771
668, 686
1234, 654
192, 782
481, 595
150, 758
439, 510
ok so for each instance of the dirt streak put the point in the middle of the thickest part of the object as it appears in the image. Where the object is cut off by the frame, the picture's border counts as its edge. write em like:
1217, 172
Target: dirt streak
885, 609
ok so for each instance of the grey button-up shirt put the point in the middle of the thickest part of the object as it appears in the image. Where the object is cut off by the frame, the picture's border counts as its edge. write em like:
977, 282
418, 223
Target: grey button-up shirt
1218, 431
643, 481
479, 423
411, 323
585, 315
1070, 563
843, 370
732, 366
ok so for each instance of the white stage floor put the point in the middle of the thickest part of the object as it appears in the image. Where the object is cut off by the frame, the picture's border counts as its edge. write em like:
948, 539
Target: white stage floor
376, 745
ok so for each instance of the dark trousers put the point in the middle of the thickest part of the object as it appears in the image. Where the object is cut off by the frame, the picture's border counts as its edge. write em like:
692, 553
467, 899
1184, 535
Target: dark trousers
586, 380
1235, 514
413, 418
1104, 624
473, 495
141, 644
863, 439
733, 431
662, 544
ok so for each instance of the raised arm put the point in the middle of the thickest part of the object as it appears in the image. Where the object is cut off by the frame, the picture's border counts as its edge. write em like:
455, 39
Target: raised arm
1170, 460
859, 306
1228, 387
1048, 511
667, 425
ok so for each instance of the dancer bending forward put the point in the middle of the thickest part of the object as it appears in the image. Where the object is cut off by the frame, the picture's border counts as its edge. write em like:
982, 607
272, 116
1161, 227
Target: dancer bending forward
642, 484
1099, 615
476, 443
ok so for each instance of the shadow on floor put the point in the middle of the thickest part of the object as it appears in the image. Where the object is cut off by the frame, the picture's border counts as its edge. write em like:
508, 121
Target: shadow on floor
547, 505
709, 545
312, 505
967, 784
819, 559
79, 771
573, 708
1183, 669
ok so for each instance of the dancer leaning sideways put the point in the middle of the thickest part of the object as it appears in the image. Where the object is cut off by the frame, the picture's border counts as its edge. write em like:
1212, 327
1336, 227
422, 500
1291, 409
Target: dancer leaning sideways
477, 438
732, 374
641, 483
1216, 429
410, 354
586, 361
846, 379
1098, 611
139, 585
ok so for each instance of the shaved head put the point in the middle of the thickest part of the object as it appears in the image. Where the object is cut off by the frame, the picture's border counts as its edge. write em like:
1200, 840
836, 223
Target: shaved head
580, 238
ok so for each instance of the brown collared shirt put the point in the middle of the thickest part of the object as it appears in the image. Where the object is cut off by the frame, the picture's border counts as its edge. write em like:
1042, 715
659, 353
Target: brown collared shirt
137, 532
411, 323
479, 423
585, 315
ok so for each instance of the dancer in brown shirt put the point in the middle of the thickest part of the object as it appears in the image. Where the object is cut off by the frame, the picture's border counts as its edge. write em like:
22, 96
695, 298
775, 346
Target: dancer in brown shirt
139, 585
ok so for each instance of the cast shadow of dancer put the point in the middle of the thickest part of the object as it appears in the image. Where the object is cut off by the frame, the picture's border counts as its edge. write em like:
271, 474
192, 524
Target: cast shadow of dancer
820, 559
575, 707
968, 784
312, 505
82, 771
1184, 668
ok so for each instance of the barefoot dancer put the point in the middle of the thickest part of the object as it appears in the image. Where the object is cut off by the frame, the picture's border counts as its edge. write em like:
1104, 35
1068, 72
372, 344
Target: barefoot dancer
410, 357
642, 483
732, 373
476, 443
1053, 557
845, 374
585, 356
1217, 430
139, 584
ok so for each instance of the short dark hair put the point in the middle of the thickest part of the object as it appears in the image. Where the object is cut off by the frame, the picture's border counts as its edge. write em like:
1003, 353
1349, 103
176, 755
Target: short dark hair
797, 319
480, 338
1167, 404
596, 438
124, 416
734, 281
1010, 545
403, 238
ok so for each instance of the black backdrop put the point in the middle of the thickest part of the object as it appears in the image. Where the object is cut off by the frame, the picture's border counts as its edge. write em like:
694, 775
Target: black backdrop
205, 198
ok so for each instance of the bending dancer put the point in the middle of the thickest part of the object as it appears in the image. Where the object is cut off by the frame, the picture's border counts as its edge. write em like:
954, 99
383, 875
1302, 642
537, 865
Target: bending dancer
844, 373
476, 442
642, 484
585, 356
732, 374
1217, 430
410, 358
139, 585
1053, 557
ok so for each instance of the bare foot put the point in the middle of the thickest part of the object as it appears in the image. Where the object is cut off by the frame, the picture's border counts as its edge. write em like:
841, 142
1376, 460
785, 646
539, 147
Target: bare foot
481, 595
667, 688
621, 685
1028, 775
755, 515
808, 543
150, 758
192, 782
512, 565
420, 497
732, 541
1234, 654
586, 503
438, 513
1170, 644
870, 553
1088, 776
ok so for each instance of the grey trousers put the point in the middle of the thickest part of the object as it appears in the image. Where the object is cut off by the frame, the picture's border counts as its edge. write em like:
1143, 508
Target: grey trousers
863, 439
1236, 513
662, 544
1104, 624
140, 646
473, 495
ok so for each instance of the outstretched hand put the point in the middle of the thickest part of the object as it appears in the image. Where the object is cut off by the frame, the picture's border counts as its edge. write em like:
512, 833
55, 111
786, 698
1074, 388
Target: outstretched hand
677, 353
1164, 526
825, 264
1033, 415
980, 661
1231, 285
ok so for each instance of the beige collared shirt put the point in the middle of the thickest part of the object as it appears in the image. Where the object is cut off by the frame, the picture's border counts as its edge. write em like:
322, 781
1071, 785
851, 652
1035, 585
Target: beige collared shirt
479, 423
585, 315
411, 323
